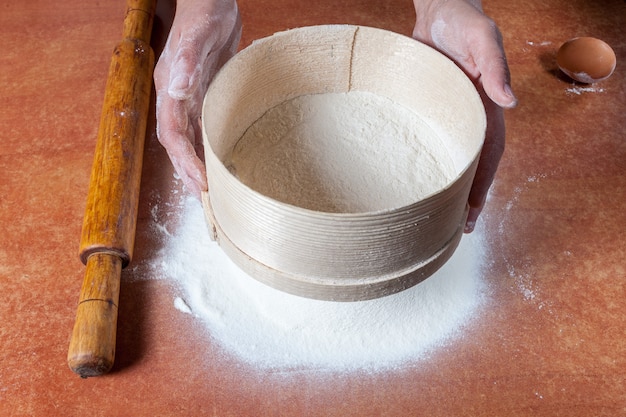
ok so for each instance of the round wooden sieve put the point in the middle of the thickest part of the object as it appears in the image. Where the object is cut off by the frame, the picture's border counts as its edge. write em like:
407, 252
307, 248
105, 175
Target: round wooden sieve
339, 256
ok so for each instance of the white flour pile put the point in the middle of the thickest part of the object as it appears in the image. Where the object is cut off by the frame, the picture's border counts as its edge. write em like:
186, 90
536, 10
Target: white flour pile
270, 329
342, 152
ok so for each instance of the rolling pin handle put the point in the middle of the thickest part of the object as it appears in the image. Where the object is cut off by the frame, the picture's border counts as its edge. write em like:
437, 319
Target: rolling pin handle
92, 347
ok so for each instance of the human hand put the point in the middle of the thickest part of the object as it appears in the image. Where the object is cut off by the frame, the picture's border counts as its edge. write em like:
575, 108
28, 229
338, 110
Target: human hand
204, 35
460, 30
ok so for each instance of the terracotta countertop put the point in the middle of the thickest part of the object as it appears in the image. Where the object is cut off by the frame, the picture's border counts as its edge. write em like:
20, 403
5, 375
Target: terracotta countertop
552, 340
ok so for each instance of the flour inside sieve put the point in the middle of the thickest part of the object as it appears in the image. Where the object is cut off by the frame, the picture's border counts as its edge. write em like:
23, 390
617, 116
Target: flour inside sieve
342, 153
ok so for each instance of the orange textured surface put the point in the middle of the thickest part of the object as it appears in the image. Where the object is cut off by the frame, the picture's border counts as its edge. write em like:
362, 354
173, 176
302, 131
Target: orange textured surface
553, 341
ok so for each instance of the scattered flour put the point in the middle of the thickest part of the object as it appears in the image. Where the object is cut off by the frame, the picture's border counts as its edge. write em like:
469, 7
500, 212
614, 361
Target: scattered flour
271, 329
542, 43
580, 90
520, 270
182, 306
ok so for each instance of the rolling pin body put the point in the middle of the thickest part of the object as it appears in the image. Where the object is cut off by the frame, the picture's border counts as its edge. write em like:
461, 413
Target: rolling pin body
108, 233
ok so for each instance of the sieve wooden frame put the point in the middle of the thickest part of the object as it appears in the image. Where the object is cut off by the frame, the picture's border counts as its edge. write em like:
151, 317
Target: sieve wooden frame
339, 256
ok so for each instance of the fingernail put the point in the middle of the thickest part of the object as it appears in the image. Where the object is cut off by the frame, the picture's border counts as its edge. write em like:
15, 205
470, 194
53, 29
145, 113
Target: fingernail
509, 92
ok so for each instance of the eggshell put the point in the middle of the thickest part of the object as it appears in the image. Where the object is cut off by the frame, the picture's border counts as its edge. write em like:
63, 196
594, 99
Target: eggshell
586, 59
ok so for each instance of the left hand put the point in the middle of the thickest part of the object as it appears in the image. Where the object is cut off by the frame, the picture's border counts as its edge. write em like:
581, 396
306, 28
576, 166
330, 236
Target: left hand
204, 35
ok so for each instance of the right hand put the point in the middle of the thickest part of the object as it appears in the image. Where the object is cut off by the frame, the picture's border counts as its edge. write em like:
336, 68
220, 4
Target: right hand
204, 35
460, 30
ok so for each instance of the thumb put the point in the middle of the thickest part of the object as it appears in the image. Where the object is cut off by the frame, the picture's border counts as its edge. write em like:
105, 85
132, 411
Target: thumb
496, 85
494, 72
184, 72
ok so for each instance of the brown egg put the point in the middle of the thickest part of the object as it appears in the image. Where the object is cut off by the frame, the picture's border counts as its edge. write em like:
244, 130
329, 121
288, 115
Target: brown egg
586, 59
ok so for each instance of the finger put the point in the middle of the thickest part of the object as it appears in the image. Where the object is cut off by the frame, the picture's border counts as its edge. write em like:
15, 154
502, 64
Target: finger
491, 63
177, 136
187, 164
488, 162
193, 175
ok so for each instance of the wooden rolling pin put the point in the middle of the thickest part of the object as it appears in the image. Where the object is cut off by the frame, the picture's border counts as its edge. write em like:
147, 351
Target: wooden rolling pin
108, 233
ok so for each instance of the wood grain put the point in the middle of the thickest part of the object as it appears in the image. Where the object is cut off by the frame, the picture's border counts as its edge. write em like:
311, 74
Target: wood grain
109, 225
